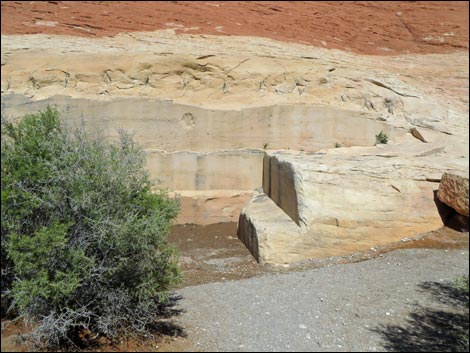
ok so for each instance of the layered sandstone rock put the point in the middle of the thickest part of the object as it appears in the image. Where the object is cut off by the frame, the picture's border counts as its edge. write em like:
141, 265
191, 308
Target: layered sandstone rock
342, 200
206, 109
167, 126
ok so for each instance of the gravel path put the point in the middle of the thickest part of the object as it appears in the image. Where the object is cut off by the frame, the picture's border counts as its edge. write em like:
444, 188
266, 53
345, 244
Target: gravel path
352, 307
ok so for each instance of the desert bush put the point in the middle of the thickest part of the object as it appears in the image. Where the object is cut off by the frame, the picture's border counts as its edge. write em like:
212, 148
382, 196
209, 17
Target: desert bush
381, 137
83, 236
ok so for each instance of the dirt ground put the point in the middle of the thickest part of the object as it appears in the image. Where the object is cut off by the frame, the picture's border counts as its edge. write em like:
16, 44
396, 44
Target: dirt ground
213, 253
366, 27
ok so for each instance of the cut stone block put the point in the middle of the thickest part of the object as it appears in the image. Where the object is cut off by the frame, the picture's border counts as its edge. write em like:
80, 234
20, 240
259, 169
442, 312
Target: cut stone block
339, 201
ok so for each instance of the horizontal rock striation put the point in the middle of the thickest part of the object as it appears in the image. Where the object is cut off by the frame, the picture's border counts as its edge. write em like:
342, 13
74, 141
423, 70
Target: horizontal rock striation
169, 126
222, 116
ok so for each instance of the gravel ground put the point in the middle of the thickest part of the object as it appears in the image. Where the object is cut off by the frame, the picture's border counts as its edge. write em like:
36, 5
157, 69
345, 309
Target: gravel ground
352, 307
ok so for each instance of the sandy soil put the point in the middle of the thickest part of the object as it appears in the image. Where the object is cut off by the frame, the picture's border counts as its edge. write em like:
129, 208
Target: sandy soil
366, 27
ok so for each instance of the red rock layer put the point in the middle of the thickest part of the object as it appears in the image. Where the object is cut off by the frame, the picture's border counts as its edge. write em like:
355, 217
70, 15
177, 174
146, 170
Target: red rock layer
366, 27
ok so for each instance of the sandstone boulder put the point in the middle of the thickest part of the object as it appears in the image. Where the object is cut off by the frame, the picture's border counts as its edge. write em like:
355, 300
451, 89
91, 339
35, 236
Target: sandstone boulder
453, 191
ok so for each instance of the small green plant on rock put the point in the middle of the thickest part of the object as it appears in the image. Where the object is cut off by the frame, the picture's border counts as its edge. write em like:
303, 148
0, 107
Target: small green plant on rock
381, 138
337, 145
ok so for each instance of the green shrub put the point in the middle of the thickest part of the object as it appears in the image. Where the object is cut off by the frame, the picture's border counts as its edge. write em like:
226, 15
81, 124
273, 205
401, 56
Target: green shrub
381, 138
83, 237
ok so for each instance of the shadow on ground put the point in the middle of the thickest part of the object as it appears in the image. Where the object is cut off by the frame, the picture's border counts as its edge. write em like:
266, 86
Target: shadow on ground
16, 335
167, 312
451, 218
163, 329
432, 330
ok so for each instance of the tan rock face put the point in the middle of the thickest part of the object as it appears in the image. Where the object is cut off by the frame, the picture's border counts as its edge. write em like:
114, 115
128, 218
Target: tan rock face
167, 126
211, 206
206, 108
219, 170
238, 72
453, 191
343, 200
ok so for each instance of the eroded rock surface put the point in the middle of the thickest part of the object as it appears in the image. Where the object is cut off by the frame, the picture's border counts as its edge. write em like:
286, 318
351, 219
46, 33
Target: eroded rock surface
343, 200
384, 28
453, 191
206, 108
